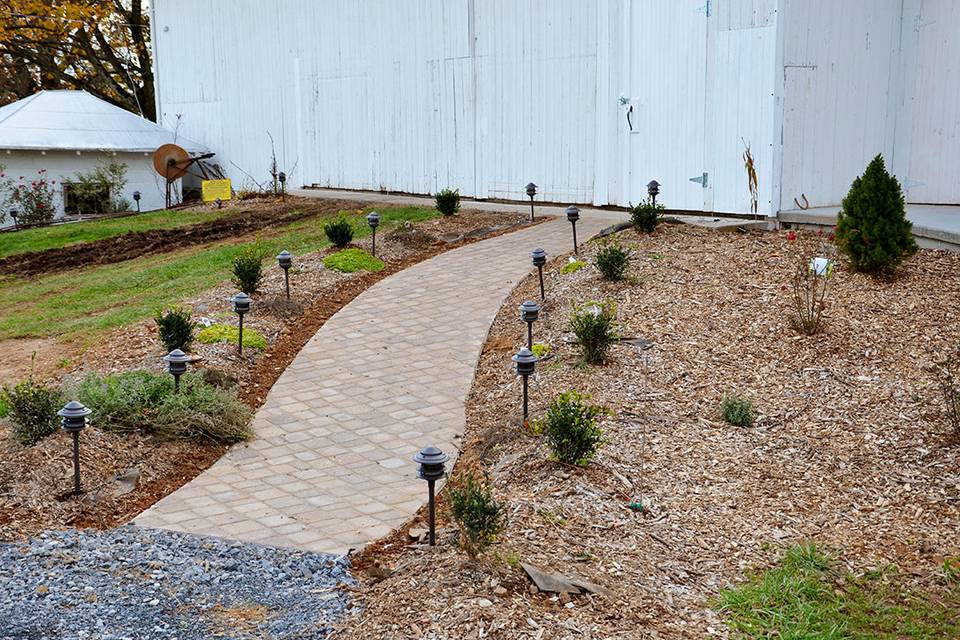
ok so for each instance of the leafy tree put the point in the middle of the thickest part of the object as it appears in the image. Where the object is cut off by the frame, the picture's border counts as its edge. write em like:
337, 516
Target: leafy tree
101, 46
872, 228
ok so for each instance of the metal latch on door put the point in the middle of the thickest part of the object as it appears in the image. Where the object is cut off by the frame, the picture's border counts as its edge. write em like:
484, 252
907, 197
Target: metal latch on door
702, 179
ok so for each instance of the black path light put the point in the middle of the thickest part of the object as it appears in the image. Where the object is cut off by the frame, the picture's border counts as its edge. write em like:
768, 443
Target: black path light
282, 177
176, 366
529, 311
136, 198
373, 219
73, 420
526, 365
531, 191
241, 305
285, 260
573, 214
431, 461
653, 188
15, 214
539, 257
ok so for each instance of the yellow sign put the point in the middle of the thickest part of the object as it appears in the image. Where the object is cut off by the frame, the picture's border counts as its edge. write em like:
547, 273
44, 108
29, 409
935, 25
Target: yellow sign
216, 189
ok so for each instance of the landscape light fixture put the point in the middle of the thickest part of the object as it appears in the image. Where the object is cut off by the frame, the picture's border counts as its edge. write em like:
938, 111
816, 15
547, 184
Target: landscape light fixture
285, 260
653, 188
373, 219
573, 214
529, 311
539, 257
136, 198
73, 420
531, 191
241, 305
282, 177
176, 366
526, 363
431, 469
15, 214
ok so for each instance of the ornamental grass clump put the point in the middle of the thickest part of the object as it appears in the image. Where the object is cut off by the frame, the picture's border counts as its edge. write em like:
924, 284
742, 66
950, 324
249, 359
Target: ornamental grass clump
32, 410
141, 401
175, 327
872, 228
946, 374
570, 426
248, 268
339, 232
448, 201
613, 260
594, 324
477, 513
737, 410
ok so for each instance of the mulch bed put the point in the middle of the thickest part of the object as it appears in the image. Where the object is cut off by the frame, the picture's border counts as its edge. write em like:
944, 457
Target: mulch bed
33, 480
251, 216
849, 449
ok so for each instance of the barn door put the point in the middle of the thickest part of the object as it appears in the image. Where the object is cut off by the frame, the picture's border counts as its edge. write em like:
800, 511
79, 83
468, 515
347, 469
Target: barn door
661, 132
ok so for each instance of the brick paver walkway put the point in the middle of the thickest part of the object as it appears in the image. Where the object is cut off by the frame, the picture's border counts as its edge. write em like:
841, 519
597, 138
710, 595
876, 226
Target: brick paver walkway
330, 467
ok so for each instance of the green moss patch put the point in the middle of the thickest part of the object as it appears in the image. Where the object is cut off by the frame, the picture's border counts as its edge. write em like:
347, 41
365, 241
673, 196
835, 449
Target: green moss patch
572, 266
350, 260
227, 333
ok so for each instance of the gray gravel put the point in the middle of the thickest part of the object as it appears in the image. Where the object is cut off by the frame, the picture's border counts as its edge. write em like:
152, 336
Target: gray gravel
141, 584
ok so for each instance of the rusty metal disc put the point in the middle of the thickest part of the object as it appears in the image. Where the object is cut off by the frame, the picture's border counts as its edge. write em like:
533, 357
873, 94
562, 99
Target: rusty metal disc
171, 161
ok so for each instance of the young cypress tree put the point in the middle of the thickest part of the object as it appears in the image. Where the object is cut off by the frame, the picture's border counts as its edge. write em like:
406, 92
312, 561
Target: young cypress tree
872, 228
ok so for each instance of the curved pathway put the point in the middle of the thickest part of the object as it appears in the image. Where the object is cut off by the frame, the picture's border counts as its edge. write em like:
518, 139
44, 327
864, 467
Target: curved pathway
330, 468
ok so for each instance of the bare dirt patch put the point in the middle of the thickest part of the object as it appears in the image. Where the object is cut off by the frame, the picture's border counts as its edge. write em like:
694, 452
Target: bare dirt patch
33, 480
251, 216
849, 448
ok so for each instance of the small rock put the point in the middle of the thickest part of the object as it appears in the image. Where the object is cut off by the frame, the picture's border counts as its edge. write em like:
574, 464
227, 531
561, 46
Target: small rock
483, 602
416, 534
500, 591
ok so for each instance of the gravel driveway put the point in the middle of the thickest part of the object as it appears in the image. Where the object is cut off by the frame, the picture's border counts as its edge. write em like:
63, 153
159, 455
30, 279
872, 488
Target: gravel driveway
141, 584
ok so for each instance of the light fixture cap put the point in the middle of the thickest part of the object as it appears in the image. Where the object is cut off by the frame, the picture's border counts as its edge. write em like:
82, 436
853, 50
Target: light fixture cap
653, 187
136, 196
373, 219
539, 257
241, 303
285, 259
526, 361
431, 461
74, 416
529, 311
282, 177
573, 213
531, 189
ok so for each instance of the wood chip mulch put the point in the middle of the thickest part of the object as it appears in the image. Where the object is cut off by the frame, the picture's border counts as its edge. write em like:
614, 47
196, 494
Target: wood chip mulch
849, 449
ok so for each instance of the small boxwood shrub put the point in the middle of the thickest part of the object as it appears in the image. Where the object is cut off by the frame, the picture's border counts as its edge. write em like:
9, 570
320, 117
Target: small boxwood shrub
248, 268
339, 232
175, 328
570, 426
141, 401
350, 260
594, 324
477, 513
612, 261
540, 350
448, 201
645, 216
252, 338
737, 410
872, 228
32, 410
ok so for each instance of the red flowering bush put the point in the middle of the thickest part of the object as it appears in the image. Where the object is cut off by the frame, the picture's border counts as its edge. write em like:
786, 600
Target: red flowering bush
35, 199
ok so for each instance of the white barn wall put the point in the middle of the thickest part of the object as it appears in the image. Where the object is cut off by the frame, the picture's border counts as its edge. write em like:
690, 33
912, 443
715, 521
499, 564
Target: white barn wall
483, 95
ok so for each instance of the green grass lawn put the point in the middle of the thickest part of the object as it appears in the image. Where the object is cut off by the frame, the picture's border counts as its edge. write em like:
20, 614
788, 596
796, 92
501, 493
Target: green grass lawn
61, 235
87, 302
805, 597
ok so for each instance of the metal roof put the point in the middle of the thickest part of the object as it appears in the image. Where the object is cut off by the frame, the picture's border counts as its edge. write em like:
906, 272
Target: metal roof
76, 120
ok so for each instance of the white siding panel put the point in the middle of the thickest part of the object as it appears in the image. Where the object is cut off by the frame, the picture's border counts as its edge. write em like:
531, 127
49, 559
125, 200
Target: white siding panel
933, 176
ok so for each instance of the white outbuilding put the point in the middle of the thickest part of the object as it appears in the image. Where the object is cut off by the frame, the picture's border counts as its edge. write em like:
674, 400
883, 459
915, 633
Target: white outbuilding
61, 133
589, 99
